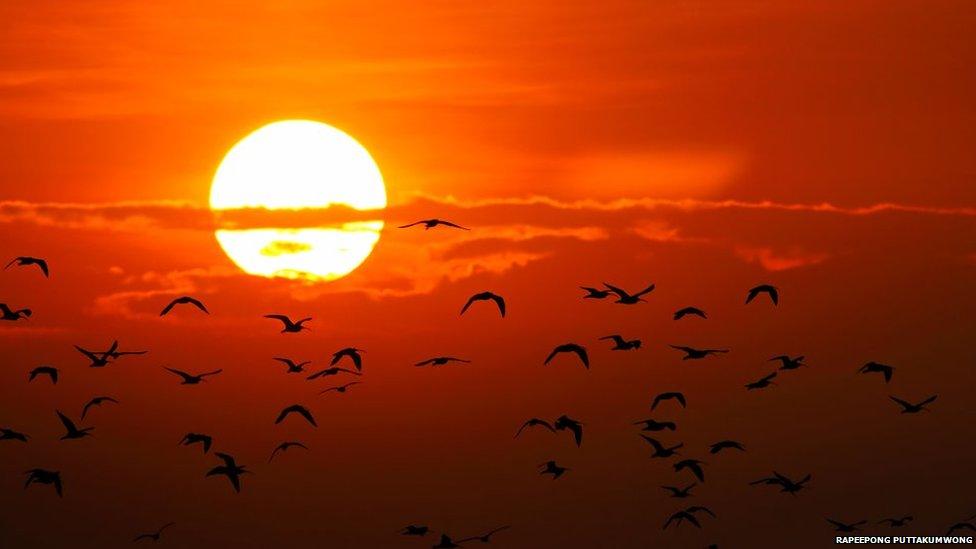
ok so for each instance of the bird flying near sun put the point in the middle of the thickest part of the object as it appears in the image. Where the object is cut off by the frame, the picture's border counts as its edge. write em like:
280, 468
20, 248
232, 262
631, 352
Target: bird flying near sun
296, 165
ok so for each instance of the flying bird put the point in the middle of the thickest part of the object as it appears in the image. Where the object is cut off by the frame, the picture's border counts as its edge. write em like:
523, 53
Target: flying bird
440, 361
788, 363
296, 409
693, 465
184, 300
190, 379
878, 368
595, 293
689, 515
696, 354
6, 313
486, 296
340, 388
431, 223
551, 468
535, 422
897, 522
26, 260
772, 291
653, 425
695, 311
909, 408
579, 350
673, 395
565, 422
621, 344
10, 434
335, 370
230, 469
486, 537
99, 360
116, 354
284, 446
353, 353
762, 383
415, 530
964, 525
71, 431
44, 370
196, 438
43, 476
661, 451
724, 445
154, 535
97, 401
788, 485
289, 326
844, 527
293, 367
625, 298
677, 492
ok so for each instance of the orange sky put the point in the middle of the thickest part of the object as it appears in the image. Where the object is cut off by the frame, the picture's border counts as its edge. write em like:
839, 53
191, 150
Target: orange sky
826, 149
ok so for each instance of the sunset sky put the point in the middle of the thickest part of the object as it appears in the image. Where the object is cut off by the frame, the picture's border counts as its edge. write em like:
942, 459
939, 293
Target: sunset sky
825, 148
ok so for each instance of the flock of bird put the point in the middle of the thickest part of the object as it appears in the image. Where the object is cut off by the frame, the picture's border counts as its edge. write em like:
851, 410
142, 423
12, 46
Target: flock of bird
693, 515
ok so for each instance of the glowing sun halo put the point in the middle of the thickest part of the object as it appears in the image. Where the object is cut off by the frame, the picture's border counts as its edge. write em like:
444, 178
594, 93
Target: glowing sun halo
296, 164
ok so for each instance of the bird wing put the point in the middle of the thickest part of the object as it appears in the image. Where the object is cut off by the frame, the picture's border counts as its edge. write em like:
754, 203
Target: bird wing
198, 304
227, 459
180, 373
620, 292
680, 398
92, 356
903, 403
682, 348
213, 373
581, 353
410, 224
471, 300
425, 362
577, 429
168, 307
12, 261
646, 290
357, 359
551, 355
500, 301
43, 266
284, 319
456, 226
57, 485
653, 442
111, 350
68, 424
306, 414
929, 400
287, 361
535, 422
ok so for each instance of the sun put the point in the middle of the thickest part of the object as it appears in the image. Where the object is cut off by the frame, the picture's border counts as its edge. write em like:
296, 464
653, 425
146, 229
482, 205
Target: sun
299, 164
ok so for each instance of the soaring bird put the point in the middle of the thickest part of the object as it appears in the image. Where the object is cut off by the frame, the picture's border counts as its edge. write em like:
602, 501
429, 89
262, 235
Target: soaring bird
197, 438
689, 514
551, 468
44, 370
845, 527
877, 367
340, 388
693, 465
626, 298
964, 525
621, 344
6, 313
672, 395
788, 485
579, 350
565, 422
764, 289
190, 379
71, 431
335, 370
654, 425
486, 296
535, 422
431, 223
10, 434
43, 476
415, 530
230, 469
909, 408
595, 293
353, 353
677, 492
440, 361
293, 367
154, 535
97, 401
284, 446
296, 409
726, 444
697, 354
99, 360
184, 300
289, 326
660, 450
26, 260
897, 522
486, 537
681, 313
762, 383
788, 363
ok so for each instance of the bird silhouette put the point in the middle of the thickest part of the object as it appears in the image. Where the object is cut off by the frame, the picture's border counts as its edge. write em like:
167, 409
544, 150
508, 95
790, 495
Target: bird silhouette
661, 451
565, 422
71, 431
788, 363
689, 515
116, 354
230, 469
897, 522
445, 543
878, 368
97, 401
621, 344
340, 388
486, 537
551, 468
696, 354
184, 300
431, 223
190, 379
197, 438
694, 311
440, 361
845, 527
654, 425
353, 353
43, 476
625, 298
284, 446
724, 445
296, 409
692, 465
10, 434
44, 370
535, 422
335, 370
289, 326
415, 530
579, 350
909, 408
672, 395
786, 484
99, 360
772, 291
595, 293
486, 296
26, 260
762, 383
677, 492
6, 313
154, 536
963, 525
293, 367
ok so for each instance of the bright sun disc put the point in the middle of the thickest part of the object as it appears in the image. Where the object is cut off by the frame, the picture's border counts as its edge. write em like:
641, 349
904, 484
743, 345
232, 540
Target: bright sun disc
296, 164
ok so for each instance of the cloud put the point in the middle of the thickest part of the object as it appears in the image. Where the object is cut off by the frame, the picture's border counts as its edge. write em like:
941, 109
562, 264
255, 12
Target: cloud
775, 261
